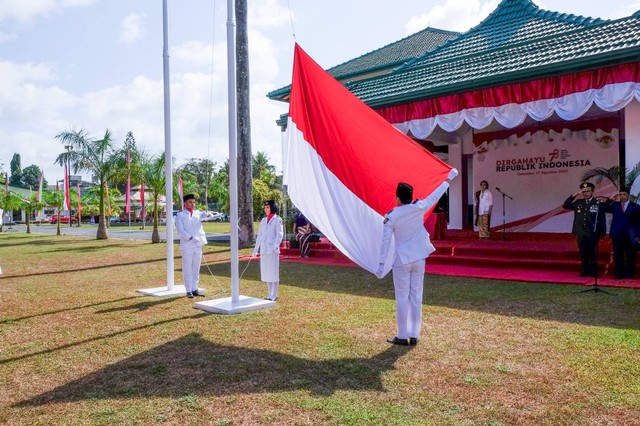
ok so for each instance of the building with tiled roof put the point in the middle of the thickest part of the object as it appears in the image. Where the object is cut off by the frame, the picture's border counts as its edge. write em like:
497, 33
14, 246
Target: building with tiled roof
488, 98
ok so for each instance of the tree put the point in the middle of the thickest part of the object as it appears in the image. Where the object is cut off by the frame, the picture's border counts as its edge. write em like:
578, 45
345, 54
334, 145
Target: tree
245, 199
16, 171
202, 170
154, 178
9, 202
260, 164
220, 187
30, 205
30, 176
96, 156
56, 199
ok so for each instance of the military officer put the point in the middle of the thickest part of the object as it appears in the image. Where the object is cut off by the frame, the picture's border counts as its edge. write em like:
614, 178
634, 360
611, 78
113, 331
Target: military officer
588, 225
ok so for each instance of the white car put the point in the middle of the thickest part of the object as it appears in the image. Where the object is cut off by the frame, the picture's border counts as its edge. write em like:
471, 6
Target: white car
214, 217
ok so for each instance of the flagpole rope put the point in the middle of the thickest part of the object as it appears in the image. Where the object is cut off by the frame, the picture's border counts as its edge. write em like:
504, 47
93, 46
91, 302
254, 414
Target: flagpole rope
293, 30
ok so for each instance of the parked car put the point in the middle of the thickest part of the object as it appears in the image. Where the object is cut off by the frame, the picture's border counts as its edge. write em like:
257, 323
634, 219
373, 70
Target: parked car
215, 217
63, 219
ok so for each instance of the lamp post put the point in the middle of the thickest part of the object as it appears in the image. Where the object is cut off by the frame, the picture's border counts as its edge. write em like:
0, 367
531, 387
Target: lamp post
67, 186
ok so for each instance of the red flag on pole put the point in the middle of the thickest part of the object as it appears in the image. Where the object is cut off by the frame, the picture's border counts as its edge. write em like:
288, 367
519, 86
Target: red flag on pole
127, 208
39, 196
142, 212
181, 192
79, 205
67, 200
343, 162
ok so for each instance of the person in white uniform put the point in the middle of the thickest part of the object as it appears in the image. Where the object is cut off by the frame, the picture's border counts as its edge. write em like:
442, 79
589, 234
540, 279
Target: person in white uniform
192, 238
270, 235
405, 224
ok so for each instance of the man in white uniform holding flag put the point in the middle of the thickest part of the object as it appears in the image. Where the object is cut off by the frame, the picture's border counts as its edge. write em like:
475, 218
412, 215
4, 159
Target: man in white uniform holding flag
405, 224
192, 238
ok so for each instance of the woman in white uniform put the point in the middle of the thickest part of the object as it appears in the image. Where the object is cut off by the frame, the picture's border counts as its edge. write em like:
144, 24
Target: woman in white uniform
270, 235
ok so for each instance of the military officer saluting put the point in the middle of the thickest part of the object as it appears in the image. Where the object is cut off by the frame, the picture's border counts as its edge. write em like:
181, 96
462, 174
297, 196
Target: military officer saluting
588, 225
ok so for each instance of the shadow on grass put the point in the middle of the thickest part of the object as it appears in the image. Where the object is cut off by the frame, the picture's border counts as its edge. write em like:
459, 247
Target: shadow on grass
106, 336
193, 366
139, 307
75, 308
44, 240
84, 249
548, 302
105, 266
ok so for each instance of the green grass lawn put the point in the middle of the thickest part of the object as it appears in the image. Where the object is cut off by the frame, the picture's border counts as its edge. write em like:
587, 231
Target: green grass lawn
79, 345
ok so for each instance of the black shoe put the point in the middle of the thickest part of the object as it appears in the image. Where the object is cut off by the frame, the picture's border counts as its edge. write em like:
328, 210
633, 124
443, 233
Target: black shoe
396, 341
197, 293
190, 295
413, 341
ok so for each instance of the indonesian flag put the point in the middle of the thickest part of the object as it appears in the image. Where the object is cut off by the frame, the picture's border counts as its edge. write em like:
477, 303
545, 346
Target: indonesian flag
181, 192
142, 212
39, 195
79, 204
343, 162
67, 200
127, 207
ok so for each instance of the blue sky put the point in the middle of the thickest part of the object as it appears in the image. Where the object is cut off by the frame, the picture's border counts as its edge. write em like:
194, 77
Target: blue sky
97, 64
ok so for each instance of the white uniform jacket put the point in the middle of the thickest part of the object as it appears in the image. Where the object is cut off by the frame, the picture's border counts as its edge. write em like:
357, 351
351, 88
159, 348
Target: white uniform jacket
189, 225
485, 202
270, 236
405, 224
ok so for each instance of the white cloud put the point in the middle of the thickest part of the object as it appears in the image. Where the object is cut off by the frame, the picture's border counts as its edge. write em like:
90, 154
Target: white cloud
27, 10
453, 15
7, 36
267, 13
132, 27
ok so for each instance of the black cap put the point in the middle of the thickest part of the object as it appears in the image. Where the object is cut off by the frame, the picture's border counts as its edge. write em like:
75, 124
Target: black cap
188, 197
587, 186
404, 192
625, 189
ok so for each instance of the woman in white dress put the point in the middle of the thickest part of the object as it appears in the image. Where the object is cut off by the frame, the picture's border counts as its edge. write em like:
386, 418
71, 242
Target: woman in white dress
270, 235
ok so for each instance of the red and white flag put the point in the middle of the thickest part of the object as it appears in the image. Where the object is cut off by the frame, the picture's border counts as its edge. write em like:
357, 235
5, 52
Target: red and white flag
343, 163
79, 203
127, 207
142, 212
181, 192
67, 200
39, 195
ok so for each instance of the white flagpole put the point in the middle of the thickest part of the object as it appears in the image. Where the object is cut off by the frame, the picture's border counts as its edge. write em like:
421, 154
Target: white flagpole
170, 289
236, 303
233, 151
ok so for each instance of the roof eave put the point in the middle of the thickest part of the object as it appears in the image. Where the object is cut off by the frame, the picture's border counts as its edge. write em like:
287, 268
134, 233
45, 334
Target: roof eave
582, 64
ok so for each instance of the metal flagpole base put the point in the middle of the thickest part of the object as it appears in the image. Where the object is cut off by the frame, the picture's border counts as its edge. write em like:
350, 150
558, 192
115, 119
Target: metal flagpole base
226, 306
177, 290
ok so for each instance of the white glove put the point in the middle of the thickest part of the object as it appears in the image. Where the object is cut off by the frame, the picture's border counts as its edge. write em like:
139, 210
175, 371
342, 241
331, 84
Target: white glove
380, 271
452, 173
255, 253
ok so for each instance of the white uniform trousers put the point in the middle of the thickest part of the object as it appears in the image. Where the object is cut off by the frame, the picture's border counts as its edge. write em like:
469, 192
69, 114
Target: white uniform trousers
270, 273
191, 258
408, 282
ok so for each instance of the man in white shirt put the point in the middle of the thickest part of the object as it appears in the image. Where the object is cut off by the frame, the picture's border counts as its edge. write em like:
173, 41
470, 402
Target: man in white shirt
192, 238
412, 246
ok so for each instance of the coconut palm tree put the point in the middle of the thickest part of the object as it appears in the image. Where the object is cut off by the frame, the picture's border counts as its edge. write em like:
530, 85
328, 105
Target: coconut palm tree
96, 156
9, 202
245, 199
154, 179
31, 205
55, 199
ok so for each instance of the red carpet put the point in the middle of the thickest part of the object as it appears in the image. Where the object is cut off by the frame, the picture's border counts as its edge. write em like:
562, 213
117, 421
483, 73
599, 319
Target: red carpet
530, 257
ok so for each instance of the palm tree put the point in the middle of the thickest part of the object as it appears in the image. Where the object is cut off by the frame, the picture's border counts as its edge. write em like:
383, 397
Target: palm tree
96, 156
245, 199
154, 178
30, 205
56, 199
9, 202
